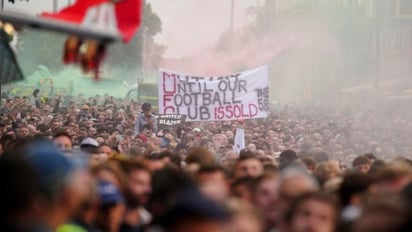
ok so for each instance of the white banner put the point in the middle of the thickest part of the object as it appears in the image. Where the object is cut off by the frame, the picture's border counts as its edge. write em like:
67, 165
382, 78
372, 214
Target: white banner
238, 96
239, 140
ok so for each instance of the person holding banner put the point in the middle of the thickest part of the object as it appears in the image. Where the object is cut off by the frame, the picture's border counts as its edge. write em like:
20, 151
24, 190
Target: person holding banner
145, 118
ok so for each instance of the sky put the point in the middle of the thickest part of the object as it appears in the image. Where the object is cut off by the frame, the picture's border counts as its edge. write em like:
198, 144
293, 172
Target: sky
184, 22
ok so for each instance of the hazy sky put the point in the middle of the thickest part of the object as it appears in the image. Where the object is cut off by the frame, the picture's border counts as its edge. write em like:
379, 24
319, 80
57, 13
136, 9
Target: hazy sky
185, 22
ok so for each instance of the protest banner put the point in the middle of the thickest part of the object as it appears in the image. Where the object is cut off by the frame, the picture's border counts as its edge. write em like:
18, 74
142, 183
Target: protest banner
238, 96
239, 140
167, 121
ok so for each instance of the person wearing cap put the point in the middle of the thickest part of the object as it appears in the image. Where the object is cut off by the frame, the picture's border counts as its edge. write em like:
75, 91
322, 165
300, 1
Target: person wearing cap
91, 147
112, 207
54, 188
192, 211
145, 118
88, 144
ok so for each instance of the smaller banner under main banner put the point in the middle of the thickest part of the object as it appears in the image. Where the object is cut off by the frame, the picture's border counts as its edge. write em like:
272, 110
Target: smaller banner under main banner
238, 96
167, 121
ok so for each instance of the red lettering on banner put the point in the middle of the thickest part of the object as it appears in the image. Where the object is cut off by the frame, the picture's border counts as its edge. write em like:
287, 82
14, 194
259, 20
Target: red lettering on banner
169, 81
167, 98
219, 112
238, 111
235, 111
229, 112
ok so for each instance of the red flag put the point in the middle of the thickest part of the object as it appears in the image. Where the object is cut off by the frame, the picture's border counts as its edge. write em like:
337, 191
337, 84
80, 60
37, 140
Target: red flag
122, 15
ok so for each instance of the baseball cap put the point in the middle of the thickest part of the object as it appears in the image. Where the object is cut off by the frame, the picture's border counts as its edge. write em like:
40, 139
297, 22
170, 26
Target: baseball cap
51, 165
89, 145
192, 204
108, 193
89, 142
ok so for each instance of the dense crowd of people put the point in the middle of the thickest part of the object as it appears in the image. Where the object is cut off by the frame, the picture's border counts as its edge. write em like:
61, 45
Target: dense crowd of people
104, 164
